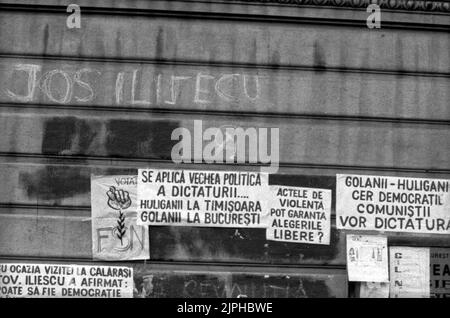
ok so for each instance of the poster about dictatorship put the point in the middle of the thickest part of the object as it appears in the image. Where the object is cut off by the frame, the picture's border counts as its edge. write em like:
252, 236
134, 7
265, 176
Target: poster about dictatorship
299, 215
65, 281
395, 204
202, 198
115, 234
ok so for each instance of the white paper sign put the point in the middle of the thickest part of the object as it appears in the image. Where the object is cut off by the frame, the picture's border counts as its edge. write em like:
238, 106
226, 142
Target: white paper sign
393, 204
299, 215
367, 258
202, 198
410, 272
115, 234
63, 280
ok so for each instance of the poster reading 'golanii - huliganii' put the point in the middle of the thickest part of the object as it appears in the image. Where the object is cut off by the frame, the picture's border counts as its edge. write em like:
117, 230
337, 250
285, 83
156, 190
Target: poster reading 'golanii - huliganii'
396, 204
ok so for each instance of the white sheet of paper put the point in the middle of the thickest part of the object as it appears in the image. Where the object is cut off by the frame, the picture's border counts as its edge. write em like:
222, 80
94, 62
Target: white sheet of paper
410, 272
367, 258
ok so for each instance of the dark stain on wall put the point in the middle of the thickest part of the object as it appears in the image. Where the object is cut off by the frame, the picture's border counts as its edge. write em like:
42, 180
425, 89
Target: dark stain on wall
131, 138
159, 48
58, 135
45, 39
55, 182
68, 135
62, 136
123, 138
319, 57
77, 136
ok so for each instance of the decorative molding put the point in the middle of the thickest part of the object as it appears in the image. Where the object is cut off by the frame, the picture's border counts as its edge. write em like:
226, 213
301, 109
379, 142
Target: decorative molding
409, 5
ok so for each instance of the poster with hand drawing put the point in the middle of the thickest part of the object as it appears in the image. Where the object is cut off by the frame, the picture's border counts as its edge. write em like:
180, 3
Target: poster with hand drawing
115, 234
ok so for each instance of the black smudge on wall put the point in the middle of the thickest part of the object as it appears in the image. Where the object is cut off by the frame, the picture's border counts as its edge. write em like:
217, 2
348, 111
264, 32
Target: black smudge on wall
68, 135
143, 139
124, 137
72, 136
55, 182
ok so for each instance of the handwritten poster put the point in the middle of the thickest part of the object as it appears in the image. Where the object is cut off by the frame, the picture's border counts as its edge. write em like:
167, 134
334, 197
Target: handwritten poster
410, 272
374, 290
440, 272
299, 215
202, 198
367, 258
394, 204
67, 281
115, 234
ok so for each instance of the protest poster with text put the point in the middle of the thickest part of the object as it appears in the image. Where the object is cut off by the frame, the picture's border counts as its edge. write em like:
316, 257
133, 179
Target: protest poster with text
409, 272
202, 198
440, 272
395, 204
26, 280
367, 258
115, 234
299, 215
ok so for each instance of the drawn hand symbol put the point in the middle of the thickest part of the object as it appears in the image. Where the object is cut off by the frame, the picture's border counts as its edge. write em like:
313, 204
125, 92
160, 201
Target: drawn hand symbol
118, 199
